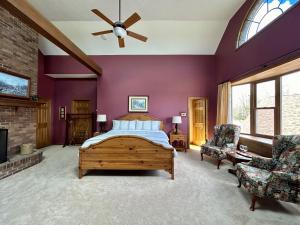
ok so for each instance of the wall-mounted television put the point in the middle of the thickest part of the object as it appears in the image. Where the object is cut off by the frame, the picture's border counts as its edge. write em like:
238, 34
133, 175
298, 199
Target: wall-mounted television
14, 85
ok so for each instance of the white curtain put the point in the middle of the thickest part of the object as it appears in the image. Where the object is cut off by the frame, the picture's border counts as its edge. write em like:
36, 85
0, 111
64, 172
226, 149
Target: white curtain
224, 104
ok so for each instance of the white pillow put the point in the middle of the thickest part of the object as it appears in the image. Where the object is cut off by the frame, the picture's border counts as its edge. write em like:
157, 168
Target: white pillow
155, 125
146, 125
124, 125
116, 125
132, 125
139, 125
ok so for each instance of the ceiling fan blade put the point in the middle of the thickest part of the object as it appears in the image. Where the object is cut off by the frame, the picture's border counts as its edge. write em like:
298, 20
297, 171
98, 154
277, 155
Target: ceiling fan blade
137, 36
102, 32
121, 42
102, 16
131, 20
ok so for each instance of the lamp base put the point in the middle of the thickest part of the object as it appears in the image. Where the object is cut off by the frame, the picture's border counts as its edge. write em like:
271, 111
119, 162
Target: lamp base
102, 127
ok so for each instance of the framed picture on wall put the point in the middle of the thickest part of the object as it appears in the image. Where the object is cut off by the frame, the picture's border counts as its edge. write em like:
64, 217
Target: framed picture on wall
14, 85
138, 103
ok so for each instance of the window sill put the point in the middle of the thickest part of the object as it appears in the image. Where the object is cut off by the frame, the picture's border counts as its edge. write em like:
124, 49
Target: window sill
262, 140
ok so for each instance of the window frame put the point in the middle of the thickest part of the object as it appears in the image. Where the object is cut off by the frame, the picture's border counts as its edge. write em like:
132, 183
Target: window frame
259, 32
231, 110
253, 106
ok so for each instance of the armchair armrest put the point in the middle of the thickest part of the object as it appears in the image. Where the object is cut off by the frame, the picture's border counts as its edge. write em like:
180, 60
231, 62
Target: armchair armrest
261, 162
283, 176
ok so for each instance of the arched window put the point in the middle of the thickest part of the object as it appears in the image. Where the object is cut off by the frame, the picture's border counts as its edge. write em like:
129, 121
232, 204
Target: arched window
261, 15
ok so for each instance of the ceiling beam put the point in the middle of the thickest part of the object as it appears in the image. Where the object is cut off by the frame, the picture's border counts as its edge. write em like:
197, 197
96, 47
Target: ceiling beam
29, 15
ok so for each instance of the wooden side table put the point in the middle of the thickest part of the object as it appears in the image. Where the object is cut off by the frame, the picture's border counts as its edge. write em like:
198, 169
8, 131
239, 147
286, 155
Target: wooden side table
178, 141
238, 157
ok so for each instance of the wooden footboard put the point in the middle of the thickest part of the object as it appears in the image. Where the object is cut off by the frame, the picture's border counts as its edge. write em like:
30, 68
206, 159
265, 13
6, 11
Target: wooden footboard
126, 153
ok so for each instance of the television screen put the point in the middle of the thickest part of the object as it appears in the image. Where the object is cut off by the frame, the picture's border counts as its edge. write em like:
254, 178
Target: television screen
14, 85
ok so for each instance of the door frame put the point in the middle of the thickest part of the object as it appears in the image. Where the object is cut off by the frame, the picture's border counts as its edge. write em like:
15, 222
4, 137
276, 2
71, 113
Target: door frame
46, 101
190, 110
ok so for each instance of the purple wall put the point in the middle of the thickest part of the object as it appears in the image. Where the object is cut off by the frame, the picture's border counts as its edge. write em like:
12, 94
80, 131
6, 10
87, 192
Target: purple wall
266, 48
45, 83
167, 80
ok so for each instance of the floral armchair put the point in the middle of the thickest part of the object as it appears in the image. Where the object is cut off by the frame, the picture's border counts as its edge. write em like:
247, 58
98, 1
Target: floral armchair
225, 138
277, 177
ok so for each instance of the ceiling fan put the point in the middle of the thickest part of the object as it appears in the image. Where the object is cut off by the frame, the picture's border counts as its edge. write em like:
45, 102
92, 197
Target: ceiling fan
119, 27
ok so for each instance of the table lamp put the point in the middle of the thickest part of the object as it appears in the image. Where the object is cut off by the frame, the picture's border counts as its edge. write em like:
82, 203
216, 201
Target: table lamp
101, 118
176, 120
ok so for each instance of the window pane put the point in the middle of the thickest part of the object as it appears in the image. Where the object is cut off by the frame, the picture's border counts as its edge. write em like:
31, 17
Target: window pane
265, 94
290, 104
241, 107
261, 15
265, 121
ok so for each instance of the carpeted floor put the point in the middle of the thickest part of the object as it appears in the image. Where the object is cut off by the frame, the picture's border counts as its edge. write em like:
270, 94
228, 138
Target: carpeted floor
51, 194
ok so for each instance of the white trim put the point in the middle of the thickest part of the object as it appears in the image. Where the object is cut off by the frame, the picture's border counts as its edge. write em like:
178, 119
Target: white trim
72, 76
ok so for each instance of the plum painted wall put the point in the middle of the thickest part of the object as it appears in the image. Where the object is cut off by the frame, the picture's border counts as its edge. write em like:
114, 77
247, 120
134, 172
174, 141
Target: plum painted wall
45, 83
167, 80
279, 40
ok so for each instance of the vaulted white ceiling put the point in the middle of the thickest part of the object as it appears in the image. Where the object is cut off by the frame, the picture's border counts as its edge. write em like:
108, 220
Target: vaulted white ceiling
172, 26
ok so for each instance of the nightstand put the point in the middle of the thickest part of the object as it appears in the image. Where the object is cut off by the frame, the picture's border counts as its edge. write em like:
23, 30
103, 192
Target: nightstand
178, 141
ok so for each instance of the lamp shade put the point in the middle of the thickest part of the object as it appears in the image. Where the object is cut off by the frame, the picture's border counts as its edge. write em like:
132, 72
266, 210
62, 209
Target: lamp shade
101, 118
176, 119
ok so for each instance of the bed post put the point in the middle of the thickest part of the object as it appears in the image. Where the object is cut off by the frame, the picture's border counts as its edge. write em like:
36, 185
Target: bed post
81, 172
172, 169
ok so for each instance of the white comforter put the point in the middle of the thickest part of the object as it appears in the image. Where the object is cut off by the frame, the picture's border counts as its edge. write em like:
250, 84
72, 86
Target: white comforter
158, 137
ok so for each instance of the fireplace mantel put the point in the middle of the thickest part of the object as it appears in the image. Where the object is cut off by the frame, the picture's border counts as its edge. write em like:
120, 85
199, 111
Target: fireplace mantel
15, 102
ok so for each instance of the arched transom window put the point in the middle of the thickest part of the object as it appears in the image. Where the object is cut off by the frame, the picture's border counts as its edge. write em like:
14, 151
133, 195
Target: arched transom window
263, 13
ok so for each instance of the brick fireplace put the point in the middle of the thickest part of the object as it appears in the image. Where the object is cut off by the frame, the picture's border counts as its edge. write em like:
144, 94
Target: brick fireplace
21, 125
19, 54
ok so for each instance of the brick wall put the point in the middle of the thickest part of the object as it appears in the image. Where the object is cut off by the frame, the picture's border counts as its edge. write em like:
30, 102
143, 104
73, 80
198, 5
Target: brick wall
18, 48
18, 53
21, 125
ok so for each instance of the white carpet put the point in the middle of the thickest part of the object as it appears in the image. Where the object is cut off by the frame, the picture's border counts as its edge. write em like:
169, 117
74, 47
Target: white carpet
51, 194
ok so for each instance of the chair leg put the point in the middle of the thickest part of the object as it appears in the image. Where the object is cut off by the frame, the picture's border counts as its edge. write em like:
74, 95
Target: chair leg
201, 156
253, 201
219, 162
240, 183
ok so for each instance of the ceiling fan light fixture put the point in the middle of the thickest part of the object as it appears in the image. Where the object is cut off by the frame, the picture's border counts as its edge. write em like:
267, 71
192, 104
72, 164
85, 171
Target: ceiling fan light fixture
120, 32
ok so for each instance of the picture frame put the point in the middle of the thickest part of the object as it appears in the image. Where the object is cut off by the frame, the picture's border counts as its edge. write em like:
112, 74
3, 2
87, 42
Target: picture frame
14, 85
138, 103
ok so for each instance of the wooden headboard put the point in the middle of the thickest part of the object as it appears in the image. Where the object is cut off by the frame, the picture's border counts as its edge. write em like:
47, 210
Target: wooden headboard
141, 116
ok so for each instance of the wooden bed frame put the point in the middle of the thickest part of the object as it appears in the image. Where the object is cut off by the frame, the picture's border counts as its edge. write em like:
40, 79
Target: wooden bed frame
127, 153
